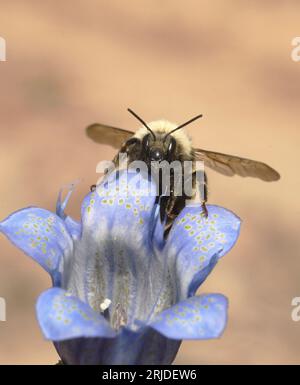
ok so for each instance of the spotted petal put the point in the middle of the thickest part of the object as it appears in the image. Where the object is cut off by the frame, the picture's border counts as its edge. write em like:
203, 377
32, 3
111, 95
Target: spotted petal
63, 317
42, 235
114, 257
196, 243
200, 317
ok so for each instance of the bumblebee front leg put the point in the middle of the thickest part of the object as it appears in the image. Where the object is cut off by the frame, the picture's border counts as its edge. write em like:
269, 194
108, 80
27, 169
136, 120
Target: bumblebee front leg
129, 149
204, 195
200, 179
94, 186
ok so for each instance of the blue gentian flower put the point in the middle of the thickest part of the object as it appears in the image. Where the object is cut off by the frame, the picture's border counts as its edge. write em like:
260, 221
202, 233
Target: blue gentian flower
121, 293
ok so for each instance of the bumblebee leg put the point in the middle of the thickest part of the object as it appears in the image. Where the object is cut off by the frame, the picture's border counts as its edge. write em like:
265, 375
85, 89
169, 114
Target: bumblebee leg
163, 201
175, 206
203, 195
204, 212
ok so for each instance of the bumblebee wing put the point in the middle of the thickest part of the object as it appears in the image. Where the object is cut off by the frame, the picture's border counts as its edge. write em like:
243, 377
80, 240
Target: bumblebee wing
234, 165
112, 136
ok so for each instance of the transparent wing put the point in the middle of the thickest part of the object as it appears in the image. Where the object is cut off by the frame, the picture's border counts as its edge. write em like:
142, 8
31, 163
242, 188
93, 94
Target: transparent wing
112, 136
234, 165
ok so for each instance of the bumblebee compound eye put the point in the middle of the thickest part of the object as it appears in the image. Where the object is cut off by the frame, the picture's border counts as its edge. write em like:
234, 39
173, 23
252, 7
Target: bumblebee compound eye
132, 141
146, 143
171, 147
130, 146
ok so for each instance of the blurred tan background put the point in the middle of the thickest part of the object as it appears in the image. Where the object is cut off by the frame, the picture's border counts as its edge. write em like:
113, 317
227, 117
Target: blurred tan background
70, 64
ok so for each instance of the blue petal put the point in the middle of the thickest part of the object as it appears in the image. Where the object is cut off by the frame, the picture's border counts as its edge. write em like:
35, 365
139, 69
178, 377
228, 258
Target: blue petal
73, 226
195, 244
115, 257
62, 317
147, 347
202, 317
42, 235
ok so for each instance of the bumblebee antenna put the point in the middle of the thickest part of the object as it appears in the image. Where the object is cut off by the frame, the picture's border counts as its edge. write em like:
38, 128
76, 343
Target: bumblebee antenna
183, 125
142, 121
